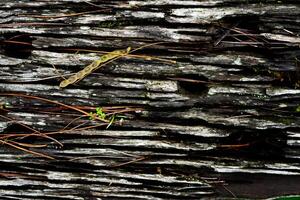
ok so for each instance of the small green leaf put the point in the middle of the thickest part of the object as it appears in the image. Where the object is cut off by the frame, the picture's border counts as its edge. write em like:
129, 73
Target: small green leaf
100, 113
92, 116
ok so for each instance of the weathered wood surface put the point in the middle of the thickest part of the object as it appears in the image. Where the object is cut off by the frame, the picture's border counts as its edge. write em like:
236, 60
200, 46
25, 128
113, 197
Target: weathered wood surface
220, 123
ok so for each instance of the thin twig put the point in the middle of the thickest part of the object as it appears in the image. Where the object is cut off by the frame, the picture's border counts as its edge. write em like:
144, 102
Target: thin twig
51, 101
129, 162
128, 55
26, 150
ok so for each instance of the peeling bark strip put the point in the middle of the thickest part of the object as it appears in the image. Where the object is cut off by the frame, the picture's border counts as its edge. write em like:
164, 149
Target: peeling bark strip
221, 122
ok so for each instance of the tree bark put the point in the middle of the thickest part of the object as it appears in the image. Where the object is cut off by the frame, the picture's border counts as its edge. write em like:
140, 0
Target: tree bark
222, 122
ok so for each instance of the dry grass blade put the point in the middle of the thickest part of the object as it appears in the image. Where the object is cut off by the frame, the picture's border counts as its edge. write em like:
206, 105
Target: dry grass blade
129, 162
26, 150
34, 133
53, 102
129, 55
29, 145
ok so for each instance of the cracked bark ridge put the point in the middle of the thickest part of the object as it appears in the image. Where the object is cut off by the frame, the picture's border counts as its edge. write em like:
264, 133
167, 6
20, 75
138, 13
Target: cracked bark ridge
222, 122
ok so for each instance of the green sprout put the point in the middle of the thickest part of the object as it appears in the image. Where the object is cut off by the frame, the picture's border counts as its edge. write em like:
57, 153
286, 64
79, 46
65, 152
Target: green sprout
99, 114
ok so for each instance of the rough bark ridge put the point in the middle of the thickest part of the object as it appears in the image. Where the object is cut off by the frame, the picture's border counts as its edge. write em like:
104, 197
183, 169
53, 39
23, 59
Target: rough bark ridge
222, 122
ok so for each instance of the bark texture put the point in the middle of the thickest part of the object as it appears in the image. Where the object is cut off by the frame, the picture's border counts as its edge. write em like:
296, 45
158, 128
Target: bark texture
223, 122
